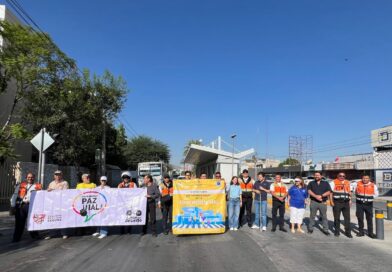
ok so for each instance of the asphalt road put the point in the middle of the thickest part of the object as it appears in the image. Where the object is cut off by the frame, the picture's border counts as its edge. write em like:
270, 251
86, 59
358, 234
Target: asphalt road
244, 250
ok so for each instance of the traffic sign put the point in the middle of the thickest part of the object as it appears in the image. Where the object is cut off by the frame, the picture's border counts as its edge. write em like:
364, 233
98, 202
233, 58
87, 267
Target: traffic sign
37, 141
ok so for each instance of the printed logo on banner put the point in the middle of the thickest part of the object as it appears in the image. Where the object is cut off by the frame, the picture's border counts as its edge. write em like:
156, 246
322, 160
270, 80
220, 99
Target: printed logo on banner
133, 216
89, 204
39, 218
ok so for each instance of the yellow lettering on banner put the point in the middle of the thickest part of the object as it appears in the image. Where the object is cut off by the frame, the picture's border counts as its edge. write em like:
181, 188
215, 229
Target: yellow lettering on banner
199, 206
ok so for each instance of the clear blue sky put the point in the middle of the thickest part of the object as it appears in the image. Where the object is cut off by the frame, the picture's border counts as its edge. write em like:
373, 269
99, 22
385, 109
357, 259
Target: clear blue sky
199, 69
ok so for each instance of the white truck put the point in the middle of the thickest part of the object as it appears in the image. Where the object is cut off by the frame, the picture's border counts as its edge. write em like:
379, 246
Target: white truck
155, 169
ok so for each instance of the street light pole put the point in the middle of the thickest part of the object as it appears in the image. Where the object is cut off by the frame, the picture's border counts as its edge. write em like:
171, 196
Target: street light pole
232, 155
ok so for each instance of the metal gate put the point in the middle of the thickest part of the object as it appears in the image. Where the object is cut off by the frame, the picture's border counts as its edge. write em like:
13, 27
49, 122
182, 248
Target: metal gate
7, 183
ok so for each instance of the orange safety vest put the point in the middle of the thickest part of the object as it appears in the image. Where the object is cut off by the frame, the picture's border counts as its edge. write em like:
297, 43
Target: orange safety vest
130, 185
280, 190
166, 190
246, 187
341, 189
365, 192
24, 186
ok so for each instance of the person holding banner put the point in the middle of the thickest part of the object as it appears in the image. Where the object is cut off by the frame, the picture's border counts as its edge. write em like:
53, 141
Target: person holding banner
152, 195
235, 202
246, 184
126, 183
20, 201
203, 176
86, 183
103, 231
261, 188
279, 194
58, 184
188, 175
166, 203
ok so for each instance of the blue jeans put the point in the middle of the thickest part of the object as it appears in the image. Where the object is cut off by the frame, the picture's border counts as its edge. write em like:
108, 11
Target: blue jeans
103, 230
263, 204
234, 212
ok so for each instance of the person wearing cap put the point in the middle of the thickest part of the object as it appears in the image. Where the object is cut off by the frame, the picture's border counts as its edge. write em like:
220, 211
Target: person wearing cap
58, 184
126, 182
340, 199
166, 203
86, 183
279, 194
297, 199
246, 185
102, 232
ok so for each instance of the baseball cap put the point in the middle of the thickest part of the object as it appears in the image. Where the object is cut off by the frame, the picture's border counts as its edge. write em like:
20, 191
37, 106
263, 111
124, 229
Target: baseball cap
126, 174
58, 172
104, 178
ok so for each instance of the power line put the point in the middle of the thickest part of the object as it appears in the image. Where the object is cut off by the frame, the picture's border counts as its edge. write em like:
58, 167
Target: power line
126, 128
126, 121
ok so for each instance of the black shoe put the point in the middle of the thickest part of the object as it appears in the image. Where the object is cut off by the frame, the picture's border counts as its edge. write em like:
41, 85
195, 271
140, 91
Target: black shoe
360, 234
249, 225
348, 234
326, 232
372, 235
337, 234
166, 232
310, 231
283, 229
273, 229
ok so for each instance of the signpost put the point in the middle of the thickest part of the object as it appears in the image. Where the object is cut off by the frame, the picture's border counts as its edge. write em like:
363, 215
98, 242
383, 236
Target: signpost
42, 141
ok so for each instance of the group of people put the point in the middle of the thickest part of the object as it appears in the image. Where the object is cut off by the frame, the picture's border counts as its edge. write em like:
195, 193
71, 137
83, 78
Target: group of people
160, 196
242, 193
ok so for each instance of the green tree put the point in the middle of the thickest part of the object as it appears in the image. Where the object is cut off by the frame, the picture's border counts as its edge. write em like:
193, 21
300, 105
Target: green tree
77, 108
28, 61
188, 145
289, 161
144, 149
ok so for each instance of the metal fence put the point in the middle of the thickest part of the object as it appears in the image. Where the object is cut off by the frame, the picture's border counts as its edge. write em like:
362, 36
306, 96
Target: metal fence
7, 183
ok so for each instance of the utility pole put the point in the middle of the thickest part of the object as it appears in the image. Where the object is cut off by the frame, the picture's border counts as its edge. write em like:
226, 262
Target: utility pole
232, 155
103, 156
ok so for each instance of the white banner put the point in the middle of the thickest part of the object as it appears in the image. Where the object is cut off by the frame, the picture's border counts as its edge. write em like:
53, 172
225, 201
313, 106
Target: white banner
87, 207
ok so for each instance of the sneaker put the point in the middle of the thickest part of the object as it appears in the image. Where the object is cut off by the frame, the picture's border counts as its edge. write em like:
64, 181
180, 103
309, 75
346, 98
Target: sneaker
264, 228
255, 227
282, 229
166, 232
231, 228
65, 237
96, 234
372, 235
235, 229
102, 236
47, 238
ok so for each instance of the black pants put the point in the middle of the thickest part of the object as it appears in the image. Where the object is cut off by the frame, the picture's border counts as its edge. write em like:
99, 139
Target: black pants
167, 211
150, 217
281, 207
342, 206
246, 206
366, 208
21, 214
